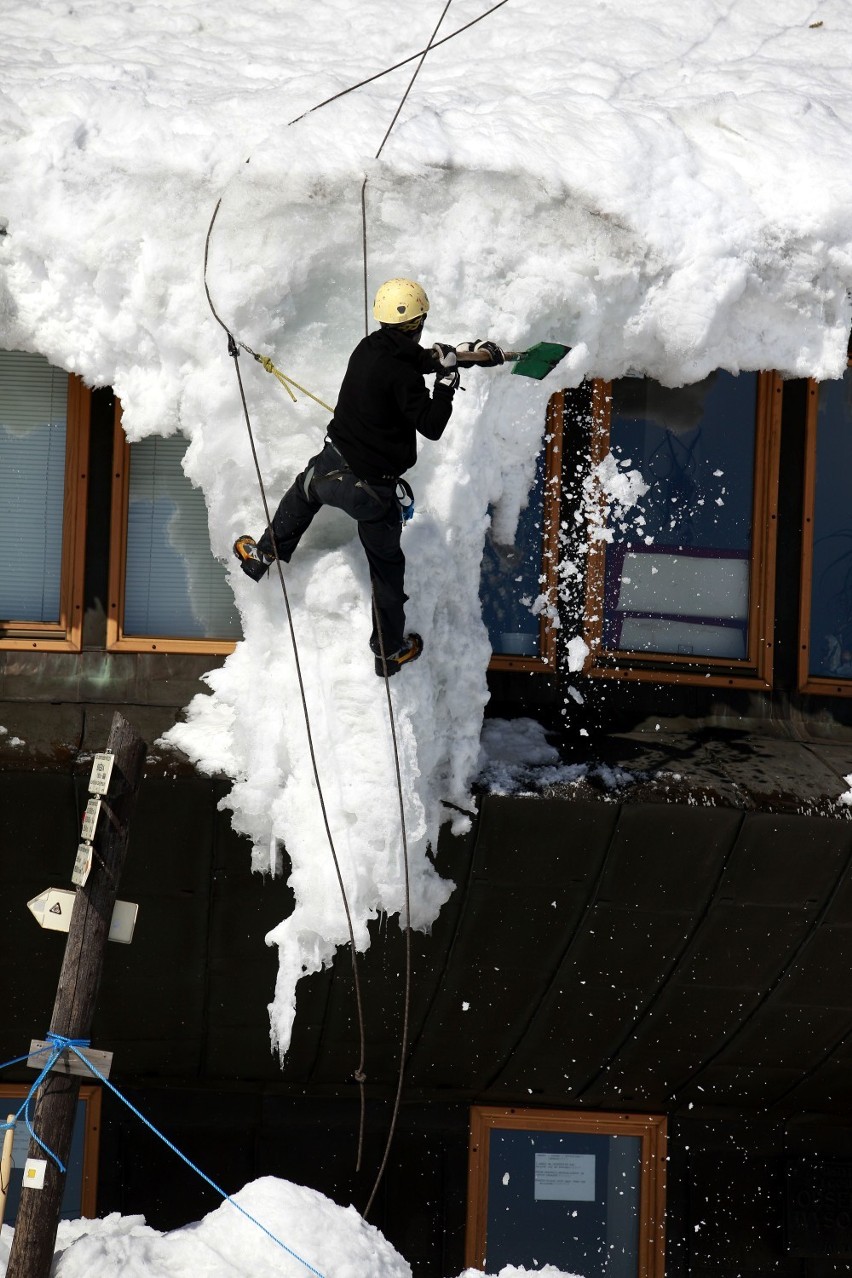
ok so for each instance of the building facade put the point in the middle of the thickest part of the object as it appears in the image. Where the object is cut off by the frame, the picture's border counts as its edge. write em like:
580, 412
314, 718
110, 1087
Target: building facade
628, 1031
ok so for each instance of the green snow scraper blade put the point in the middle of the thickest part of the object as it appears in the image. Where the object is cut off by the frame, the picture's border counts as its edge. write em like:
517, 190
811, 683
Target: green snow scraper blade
539, 359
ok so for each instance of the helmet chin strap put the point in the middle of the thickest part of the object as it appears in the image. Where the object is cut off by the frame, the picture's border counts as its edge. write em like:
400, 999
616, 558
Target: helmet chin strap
411, 328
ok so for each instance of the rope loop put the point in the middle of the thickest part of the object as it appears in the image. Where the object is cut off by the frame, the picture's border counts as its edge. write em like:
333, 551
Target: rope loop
61, 1042
58, 1043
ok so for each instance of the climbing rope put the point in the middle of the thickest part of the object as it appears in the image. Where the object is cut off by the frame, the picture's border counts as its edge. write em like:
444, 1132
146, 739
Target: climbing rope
233, 351
403, 1053
288, 384
379, 74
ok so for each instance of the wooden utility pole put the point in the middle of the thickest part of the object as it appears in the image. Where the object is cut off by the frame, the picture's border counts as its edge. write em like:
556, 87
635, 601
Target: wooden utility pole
76, 996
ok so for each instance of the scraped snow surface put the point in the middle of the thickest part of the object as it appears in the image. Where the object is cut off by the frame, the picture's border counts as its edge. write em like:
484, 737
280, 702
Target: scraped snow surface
665, 187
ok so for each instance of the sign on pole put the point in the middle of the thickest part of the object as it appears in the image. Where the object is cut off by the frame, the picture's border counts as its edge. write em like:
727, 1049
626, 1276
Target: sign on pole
52, 910
82, 865
90, 819
101, 773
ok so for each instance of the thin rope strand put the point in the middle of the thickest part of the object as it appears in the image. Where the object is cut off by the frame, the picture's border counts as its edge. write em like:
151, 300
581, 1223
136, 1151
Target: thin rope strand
396, 66
233, 350
403, 1053
413, 78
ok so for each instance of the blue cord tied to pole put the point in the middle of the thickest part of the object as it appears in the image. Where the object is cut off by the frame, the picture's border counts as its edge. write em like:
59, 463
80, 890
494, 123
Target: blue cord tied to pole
58, 1044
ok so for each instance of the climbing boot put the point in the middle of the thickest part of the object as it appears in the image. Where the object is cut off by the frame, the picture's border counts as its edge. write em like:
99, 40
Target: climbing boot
409, 652
253, 562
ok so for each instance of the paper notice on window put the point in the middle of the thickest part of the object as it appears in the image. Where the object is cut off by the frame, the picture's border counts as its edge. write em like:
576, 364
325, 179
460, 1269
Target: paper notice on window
565, 1177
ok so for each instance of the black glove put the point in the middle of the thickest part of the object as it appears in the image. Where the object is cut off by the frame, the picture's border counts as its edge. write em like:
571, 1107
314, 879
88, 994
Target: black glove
448, 380
444, 356
491, 349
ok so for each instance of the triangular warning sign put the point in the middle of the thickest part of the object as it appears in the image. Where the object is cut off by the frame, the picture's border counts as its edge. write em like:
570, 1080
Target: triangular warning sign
57, 908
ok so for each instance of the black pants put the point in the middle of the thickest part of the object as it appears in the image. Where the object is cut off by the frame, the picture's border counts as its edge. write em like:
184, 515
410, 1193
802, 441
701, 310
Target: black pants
328, 481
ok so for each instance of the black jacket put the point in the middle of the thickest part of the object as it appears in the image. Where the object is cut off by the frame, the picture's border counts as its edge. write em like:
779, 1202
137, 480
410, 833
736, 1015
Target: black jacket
383, 403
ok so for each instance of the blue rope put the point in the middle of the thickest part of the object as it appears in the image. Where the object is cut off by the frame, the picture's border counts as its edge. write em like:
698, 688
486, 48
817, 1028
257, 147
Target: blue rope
57, 1045
60, 1044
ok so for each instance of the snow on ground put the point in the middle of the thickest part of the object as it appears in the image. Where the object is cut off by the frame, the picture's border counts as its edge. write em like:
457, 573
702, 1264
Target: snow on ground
328, 1240
664, 187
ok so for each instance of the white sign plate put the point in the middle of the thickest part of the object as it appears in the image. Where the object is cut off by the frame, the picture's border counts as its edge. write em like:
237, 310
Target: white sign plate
123, 922
52, 910
101, 773
34, 1169
565, 1177
90, 818
82, 865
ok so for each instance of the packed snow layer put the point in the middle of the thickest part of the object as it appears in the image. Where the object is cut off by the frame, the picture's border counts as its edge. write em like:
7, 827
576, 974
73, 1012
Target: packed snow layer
319, 1236
664, 187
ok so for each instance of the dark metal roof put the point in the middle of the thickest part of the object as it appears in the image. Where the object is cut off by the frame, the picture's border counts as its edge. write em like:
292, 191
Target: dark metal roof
603, 950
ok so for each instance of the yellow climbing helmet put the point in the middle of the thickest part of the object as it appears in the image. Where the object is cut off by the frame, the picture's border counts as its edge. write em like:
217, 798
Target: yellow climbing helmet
402, 303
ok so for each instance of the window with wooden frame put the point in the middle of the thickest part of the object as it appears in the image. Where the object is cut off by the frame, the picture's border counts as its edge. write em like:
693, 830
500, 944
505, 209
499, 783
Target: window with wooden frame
518, 578
582, 1192
680, 587
80, 1189
825, 613
167, 593
44, 456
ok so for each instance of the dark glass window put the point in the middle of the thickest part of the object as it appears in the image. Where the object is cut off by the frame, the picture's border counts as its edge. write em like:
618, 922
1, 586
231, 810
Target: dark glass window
830, 647
511, 579
677, 569
569, 1199
173, 585
33, 419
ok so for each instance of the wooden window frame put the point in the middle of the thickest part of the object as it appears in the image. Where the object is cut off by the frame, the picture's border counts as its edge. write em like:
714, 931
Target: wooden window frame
650, 1128
91, 1095
66, 634
116, 639
821, 685
755, 670
545, 663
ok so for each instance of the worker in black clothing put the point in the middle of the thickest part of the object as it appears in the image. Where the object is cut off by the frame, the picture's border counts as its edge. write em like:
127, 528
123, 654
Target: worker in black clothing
371, 441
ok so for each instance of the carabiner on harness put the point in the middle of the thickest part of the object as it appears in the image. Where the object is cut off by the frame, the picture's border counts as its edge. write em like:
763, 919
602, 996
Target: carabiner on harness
404, 499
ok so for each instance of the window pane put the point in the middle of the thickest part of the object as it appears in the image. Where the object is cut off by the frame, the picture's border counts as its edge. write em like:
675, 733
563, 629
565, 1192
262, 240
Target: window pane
510, 579
569, 1199
831, 587
33, 414
677, 568
174, 587
72, 1193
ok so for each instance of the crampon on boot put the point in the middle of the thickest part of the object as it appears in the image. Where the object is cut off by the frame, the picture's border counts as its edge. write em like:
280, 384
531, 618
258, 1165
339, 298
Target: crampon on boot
253, 562
410, 651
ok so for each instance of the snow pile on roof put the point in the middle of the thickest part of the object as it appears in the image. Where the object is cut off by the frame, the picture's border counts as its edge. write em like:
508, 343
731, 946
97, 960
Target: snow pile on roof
327, 1240
664, 187
516, 756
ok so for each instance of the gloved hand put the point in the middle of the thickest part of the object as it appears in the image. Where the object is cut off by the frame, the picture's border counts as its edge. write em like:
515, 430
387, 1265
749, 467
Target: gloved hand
491, 349
448, 380
444, 356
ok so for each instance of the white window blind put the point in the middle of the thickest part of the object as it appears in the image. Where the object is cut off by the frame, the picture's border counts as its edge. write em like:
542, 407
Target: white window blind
33, 420
174, 588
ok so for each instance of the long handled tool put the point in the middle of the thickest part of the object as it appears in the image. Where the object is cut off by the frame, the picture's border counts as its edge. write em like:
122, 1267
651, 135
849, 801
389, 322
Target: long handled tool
535, 362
